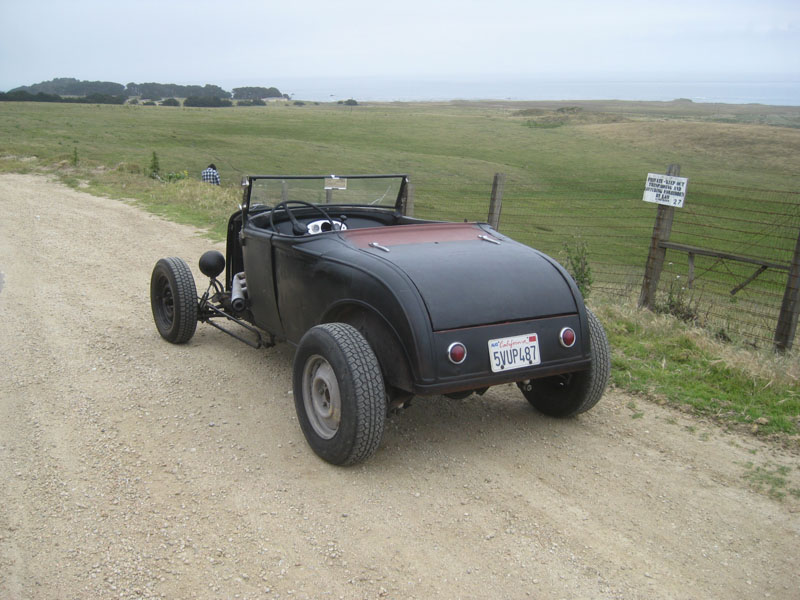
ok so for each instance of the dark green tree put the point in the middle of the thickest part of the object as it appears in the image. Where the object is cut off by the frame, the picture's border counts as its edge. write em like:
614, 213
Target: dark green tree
255, 93
207, 102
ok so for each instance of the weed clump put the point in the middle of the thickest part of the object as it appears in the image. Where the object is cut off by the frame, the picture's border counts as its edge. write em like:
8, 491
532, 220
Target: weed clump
679, 305
154, 168
578, 266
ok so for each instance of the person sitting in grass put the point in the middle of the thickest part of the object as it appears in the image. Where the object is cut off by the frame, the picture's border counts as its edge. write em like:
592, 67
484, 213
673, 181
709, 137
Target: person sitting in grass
210, 174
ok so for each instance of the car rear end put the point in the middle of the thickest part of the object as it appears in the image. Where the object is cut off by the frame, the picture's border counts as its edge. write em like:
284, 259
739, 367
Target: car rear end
498, 311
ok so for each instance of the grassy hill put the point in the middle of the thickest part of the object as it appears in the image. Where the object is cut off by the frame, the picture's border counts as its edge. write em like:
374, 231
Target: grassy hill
451, 150
434, 142
549, 151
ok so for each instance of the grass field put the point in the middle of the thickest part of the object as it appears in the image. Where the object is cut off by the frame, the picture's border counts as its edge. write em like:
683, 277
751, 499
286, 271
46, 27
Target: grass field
450, 150
547, 150
435, 143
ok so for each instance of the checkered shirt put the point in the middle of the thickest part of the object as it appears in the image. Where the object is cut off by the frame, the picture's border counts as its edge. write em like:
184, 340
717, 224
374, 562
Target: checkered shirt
210, 176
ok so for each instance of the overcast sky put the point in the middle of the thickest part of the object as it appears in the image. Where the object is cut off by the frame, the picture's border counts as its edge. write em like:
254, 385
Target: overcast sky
241, 42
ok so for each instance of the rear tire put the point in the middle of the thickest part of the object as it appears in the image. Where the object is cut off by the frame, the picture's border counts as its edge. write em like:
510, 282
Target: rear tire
173, 298
339, 394
573, 393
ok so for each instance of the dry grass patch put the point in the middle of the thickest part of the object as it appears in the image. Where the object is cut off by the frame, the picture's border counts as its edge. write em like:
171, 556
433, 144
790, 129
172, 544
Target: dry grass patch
775, 148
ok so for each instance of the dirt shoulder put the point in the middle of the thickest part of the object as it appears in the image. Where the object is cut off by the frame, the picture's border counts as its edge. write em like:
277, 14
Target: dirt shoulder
133, 468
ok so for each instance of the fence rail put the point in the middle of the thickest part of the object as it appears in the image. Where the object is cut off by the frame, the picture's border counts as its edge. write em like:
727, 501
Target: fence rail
727, 260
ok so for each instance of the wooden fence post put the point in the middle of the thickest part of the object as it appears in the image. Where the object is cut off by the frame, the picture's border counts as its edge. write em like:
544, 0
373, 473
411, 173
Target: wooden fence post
496, 201
655, 257
787, 320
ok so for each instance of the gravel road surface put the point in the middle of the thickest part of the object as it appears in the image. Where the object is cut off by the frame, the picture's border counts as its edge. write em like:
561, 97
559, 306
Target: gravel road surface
132, 468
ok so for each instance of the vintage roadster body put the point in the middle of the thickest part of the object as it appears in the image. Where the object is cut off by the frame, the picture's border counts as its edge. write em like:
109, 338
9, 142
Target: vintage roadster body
382, 307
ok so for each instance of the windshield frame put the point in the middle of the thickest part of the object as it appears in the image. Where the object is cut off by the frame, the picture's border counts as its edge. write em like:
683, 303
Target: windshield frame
399, 203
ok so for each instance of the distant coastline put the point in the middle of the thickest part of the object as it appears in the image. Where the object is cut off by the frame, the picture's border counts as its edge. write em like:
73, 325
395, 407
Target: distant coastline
778, 93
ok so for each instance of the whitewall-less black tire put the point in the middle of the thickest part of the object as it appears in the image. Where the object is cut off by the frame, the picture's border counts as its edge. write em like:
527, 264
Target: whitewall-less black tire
573, 393
173, 298
339, 393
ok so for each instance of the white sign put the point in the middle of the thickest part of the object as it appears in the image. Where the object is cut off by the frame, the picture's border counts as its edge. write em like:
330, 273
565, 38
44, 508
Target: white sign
335, 183
665, 189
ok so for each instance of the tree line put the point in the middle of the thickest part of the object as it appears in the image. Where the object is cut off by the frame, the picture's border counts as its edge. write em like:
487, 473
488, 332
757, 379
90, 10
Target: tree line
70, 87
23, 96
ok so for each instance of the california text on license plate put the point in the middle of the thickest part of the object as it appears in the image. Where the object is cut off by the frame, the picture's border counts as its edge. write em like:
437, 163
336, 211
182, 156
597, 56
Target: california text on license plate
514, 352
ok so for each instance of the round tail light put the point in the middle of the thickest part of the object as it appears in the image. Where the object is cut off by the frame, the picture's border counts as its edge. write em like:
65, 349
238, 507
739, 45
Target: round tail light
567, 337
457, 353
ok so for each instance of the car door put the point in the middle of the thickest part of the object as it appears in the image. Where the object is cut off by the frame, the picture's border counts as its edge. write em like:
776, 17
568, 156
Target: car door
257, 253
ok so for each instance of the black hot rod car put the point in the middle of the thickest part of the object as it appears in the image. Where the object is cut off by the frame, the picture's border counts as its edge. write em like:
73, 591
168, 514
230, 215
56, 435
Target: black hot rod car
382, 307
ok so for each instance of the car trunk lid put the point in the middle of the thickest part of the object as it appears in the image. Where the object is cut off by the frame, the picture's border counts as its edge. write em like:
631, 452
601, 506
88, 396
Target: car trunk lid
467, 276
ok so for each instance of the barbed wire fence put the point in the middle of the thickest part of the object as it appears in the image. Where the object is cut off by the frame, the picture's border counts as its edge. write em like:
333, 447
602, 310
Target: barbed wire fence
734, 283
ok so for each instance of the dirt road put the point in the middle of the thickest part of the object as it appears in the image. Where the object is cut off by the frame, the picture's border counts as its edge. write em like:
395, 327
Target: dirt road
132, 468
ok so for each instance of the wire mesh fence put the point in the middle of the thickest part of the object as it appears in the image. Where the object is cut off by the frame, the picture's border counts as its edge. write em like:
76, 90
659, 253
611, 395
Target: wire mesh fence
608, 222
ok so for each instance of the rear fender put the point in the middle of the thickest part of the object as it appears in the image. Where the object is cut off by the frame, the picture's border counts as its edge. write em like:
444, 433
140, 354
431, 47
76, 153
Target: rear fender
382, 338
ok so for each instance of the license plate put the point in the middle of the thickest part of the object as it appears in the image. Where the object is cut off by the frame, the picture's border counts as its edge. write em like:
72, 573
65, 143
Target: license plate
506, 354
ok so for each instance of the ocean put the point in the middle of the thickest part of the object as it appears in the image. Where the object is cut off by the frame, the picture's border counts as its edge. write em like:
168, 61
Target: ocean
780, 93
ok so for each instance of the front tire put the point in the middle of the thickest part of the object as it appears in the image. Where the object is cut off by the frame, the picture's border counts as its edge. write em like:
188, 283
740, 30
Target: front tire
573, 393
339, 393
173, 298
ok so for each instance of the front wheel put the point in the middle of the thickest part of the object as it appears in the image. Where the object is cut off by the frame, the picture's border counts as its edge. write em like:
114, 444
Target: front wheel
573, 393
339, 394
173, 298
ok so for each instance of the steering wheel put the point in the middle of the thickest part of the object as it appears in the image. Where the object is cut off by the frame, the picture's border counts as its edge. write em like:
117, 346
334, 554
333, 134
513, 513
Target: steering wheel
297, 228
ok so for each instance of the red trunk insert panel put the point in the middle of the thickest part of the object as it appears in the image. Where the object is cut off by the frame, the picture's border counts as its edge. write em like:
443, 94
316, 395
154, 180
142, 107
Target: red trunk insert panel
414, 234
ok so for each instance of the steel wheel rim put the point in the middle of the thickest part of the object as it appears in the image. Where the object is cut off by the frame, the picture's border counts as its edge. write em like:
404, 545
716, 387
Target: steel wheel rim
167, 300
321, 397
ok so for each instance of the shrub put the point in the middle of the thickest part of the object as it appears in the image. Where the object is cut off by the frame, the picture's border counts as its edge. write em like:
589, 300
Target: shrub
255, 93
98, 99
207, 102
171, 102
23, 96
171, 177
154, 169
579, 267
680, 305
350, 102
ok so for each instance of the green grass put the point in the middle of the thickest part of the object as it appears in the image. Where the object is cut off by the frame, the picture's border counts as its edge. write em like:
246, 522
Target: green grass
771, 480
669, 362
438, 144
560, 159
